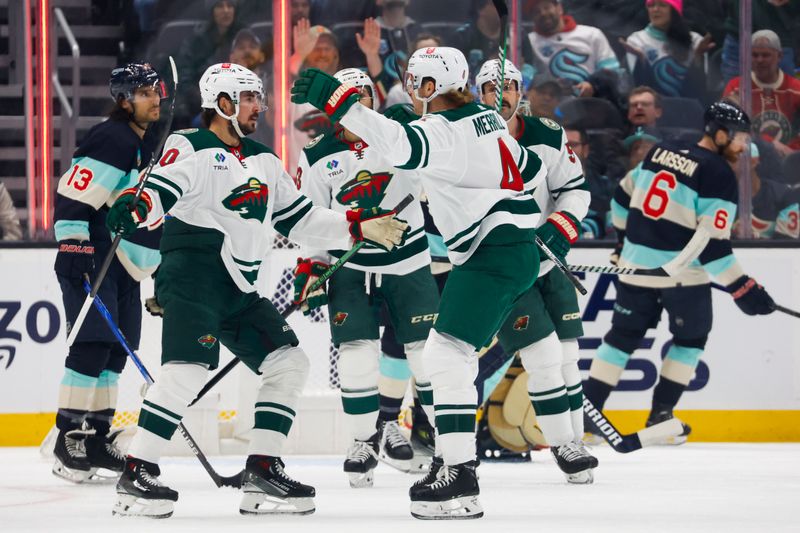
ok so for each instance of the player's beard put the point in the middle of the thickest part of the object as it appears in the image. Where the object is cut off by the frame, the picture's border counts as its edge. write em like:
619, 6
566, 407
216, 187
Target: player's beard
730, 155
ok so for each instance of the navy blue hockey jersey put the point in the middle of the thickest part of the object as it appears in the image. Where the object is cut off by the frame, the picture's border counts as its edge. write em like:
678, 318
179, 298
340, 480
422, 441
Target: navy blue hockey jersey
106, 163
678, 188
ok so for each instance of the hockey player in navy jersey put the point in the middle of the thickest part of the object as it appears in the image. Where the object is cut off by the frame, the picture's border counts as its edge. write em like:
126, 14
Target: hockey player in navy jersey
107, 162
680, 202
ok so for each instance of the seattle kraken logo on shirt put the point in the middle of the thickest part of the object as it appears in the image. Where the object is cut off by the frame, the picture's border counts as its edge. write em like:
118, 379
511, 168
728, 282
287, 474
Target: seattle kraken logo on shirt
670, 75
249, 200
567, 64
366, 190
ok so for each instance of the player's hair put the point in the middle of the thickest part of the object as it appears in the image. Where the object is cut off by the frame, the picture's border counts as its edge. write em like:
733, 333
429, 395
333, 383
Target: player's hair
641, 89
207, 115
457, 98
119, 113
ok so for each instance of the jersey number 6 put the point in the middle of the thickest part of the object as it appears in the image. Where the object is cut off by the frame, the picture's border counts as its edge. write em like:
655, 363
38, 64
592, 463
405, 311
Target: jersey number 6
657, 198
512, 179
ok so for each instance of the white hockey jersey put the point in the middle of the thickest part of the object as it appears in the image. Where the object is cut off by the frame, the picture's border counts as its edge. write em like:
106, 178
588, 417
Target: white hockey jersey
565, 187
473, 171
236, 193
573, 54
341, 175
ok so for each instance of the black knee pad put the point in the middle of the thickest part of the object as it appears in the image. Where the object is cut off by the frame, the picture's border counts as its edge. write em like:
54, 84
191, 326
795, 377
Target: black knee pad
89, 358
624, 339
699, 342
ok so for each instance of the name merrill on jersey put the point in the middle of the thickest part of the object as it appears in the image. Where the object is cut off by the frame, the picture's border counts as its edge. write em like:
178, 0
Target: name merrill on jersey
487, 123
674, 161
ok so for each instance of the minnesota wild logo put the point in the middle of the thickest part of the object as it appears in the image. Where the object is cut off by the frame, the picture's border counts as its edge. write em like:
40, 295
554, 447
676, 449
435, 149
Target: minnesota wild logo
521, 323
249, 200
339, 318
366, 190
207, 341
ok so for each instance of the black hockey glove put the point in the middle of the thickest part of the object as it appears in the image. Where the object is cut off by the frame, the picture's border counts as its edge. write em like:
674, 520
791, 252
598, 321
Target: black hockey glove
614, 259
751, 297
153, 307
74, 259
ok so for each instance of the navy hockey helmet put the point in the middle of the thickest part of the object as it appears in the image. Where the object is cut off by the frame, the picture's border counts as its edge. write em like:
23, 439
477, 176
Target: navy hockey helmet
125, 80
727, 116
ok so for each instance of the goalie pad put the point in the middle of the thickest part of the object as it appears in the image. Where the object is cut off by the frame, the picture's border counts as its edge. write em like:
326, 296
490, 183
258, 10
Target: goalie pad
510, 416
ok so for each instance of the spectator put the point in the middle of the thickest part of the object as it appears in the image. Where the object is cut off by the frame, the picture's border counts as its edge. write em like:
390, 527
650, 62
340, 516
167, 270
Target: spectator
247, 51
398, 30
314, 46
775, 208
666, 55
10, 228
573, 52
597, 223
479, 39
329, 12
776, 15
776, 96
638, 144
612, 17
301, 9
644, 107
210, 44
544, 97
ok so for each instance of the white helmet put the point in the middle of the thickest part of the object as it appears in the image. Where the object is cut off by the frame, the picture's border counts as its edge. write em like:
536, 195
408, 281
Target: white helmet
233, 80
446, 66
357, 78
490, 71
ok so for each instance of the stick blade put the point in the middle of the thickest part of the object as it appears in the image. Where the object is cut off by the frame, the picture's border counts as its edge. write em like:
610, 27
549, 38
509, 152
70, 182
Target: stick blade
657, 433
501, 7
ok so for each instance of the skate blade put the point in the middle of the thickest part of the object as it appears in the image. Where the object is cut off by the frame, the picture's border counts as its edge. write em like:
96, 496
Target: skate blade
102, 476
70, 474
130, 505
403, 465
463, 508
260, 503
586, 477
361, 480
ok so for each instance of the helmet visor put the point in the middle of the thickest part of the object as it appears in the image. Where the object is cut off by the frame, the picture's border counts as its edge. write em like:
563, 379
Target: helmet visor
254, 97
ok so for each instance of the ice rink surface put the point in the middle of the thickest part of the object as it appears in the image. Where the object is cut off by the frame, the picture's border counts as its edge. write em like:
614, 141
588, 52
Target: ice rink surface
695, 487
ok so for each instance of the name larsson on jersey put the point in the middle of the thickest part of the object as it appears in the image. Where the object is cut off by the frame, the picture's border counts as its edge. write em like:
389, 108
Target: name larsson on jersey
674, 161
487, 123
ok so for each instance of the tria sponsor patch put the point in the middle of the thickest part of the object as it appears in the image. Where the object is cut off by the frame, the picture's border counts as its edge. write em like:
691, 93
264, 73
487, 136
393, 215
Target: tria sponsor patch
339, 318
207, 341
521, 323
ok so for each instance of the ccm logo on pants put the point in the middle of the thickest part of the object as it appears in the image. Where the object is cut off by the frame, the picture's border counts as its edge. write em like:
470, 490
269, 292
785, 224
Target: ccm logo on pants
571, 316
424, 318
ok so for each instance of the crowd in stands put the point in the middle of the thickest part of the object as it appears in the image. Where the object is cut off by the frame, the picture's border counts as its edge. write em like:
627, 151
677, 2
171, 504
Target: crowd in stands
619, 75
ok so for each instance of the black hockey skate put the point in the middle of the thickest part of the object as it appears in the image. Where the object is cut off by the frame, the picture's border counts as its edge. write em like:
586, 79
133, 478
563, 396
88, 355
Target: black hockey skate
102, 452
269, 490
433, 470
70, 453
362, 458
423, 443
661, 413
576, 463
453, 495
394, 449
140, 493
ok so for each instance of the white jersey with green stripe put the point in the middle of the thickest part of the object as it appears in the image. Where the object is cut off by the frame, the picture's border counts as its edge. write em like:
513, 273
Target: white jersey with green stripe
565, 187
237, 192
476, 176
342, 175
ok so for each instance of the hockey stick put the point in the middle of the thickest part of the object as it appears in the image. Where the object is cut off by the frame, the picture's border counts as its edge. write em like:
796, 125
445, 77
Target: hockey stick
101, 274
295, 306
557, 262
692, 249
654, 434
234, 481
502, 12
782, 309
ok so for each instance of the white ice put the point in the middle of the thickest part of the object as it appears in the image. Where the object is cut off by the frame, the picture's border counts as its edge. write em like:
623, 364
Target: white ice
695, 487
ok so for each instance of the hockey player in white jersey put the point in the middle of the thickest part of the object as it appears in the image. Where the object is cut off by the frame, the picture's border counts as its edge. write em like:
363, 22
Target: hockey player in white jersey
222, 191
477, 178
342, 171
548, 344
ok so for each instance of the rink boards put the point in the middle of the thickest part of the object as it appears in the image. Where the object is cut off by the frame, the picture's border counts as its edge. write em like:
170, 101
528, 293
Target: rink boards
747, 387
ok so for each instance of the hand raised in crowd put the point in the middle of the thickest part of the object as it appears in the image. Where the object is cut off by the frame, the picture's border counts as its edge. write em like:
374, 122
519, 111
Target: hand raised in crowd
303, 39
638, 52
584, 89
704, 45
370, 44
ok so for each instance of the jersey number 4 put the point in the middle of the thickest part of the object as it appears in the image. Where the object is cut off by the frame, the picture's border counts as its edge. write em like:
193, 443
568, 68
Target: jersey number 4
512, 179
